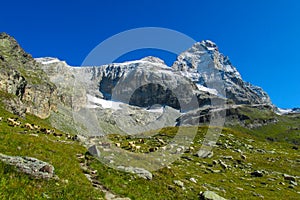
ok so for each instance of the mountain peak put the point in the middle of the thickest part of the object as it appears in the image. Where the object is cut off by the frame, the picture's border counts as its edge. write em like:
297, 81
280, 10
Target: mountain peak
205, 66
4, 35
209, 45
203, 46
153, 59
8, 43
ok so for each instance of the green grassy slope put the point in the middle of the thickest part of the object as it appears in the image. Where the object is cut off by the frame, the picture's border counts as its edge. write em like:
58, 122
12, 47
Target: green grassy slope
273, 157
14, 185
286, 128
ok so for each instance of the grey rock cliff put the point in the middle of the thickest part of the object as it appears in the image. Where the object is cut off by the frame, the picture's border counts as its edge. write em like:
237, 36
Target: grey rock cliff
22, 77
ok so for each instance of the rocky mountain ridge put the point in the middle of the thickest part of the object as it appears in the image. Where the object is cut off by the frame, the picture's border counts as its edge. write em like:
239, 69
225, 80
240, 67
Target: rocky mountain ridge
207, 70
206, 66
123, 95
201, 77
22, 77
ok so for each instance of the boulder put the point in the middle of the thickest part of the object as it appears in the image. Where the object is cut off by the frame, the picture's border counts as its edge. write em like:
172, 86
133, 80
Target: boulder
257, 173
94, 151
31, 166
179, 183
138, 171
205, 153
289, 177
293, 183
209, 195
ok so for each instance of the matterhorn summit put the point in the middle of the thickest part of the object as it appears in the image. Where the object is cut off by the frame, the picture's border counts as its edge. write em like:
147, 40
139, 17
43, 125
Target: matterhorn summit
208, 68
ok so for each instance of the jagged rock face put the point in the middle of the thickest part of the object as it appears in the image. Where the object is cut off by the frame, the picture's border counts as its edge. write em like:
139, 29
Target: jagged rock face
206, 66
62, 76
22, 77
43, 99
201, 75
141, 83
153, 83
71, 81
151, 94
12, 82
200, 71
82, 87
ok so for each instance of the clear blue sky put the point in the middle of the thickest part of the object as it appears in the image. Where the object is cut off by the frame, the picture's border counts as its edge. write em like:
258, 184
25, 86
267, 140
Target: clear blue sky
261, 37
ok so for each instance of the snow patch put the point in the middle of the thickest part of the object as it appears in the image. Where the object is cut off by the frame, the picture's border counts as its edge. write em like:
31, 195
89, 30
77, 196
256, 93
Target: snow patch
47, 60
93, 101
206, 89
281, 111
156, 110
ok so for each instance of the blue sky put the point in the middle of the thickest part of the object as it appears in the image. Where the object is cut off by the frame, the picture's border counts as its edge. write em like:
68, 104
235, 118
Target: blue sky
261, 37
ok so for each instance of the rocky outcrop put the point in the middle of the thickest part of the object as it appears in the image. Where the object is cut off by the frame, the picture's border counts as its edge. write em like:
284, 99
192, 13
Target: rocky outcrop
14, 105
138, 171
204, 153
13, 82
22, 77
36, 168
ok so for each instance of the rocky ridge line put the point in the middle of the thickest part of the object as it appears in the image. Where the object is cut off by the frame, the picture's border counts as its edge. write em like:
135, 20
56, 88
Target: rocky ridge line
22, 77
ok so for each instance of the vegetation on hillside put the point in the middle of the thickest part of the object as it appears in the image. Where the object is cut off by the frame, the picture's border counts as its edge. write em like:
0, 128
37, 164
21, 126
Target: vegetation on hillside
72, 183
243, 152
